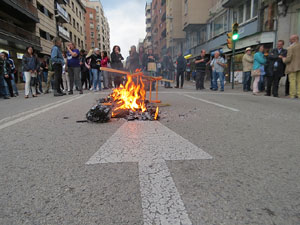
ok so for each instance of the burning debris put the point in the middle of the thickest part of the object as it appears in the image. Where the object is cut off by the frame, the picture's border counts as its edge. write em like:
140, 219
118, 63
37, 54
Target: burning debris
127, 102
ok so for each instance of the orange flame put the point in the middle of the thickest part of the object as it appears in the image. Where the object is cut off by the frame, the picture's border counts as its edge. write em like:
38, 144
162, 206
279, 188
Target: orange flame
131, 97
156, 113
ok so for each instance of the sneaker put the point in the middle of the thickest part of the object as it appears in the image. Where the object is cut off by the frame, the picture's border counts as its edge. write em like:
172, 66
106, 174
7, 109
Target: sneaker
6, 97
70, 92
80, 92
58, 94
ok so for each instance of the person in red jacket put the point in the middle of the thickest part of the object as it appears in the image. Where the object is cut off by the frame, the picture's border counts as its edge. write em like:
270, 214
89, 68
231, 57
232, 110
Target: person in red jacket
104, 62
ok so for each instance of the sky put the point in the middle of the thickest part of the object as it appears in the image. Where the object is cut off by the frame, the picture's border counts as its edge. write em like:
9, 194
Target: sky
126, 19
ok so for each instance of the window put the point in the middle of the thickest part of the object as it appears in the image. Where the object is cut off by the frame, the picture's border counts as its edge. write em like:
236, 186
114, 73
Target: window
80, 29
80, 15
74, 23
92, 34
93, 44
186, 7
71, 36
76, 11
82, 44
91, 16
220, 24
44, 10
75, 39
73, 6
241, 14
248, 9
78, 42
91, 25
78, 26
255, 8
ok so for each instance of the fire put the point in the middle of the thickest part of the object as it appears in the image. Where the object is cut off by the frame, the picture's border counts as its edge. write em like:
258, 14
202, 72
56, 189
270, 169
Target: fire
130, 97
156, 113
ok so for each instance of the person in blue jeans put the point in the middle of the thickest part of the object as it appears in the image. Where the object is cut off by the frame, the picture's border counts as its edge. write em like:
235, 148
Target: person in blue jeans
218, 65
95, 63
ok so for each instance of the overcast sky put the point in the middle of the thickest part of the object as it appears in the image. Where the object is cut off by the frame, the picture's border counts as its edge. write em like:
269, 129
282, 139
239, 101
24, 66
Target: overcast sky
127, 22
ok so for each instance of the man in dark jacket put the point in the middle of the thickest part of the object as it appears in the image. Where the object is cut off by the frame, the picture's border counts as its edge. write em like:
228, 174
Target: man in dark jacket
181, 66
201, 63
276, 68
3, 73
168, 68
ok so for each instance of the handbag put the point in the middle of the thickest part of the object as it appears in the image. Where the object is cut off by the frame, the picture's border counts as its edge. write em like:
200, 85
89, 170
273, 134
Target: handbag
255, 73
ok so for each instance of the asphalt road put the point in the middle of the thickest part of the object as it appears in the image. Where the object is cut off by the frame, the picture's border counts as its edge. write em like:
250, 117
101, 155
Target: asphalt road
252, 178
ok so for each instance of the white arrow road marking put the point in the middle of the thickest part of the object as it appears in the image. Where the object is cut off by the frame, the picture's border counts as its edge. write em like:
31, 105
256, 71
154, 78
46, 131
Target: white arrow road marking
212, 103
150, 144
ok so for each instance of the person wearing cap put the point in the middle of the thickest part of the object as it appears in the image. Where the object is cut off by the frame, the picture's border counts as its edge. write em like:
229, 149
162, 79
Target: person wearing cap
247, 67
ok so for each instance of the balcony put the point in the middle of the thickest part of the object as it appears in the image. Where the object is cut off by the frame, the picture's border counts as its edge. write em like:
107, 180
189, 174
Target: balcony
17, 35
63, 33
229, 3
26, 11
61, 15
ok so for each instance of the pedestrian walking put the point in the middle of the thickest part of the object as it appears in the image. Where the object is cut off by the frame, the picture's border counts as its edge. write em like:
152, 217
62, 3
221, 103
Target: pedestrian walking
30, 67
276, 69
65, 75
293, 66
116, 63
247, 67
181, 66
168, 68
3, 74
95, 63
74, 67
104, 62
258, 63
201, 63
218, 65
57, 62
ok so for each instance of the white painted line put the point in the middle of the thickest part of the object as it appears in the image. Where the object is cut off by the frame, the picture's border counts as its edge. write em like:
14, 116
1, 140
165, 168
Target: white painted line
204, 93
212, 103
151, 144
18, 120
33, 110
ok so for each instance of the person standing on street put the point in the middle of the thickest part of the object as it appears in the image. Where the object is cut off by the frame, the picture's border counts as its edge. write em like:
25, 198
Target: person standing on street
168, 68
292, 61
3, 74
13, 72
201, 64
276, 68
134, 60
74, 69
58, 62
116, 63
104, 62
95, 64
85, 76
247, 67
30, 67
218, 64
258, 63
181, 66
8, 78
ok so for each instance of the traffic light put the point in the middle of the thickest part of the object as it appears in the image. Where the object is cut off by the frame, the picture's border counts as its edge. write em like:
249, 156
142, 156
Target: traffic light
229, 40
235, 32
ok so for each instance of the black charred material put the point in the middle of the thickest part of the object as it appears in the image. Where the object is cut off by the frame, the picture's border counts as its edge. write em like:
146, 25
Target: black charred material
99, 114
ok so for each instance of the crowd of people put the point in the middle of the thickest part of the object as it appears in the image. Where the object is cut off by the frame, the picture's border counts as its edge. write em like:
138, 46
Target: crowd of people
75, 69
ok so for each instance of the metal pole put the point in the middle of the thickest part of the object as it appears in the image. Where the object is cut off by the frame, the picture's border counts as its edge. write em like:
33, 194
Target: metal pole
232, 63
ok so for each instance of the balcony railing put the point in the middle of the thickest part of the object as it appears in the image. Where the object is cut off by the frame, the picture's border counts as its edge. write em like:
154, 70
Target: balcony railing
17, 32
62, 14
24, 5
63, 33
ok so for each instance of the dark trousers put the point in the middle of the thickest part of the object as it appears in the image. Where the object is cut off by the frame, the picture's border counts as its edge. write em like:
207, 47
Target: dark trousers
287, 86
10, 88
85, 79
273, 84
57, 77
118, 80
247, 81
180, 74
200, 75
3, 90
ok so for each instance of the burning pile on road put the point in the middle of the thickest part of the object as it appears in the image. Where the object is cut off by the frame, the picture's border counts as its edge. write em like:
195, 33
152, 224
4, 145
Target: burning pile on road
127, 102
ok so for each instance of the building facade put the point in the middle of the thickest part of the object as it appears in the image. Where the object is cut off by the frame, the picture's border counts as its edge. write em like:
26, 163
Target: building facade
158, 27
99, 26
148, 38
91, 30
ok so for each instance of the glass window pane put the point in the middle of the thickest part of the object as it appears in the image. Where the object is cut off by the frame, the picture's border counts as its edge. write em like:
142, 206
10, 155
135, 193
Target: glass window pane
248, 10
219, 25
235, 16
255, 8
241, 14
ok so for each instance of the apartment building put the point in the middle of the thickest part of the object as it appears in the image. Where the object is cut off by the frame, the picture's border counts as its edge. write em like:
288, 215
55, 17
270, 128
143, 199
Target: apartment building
148, 38
91, 36
159, 30
18, 23
75, 29
102, 32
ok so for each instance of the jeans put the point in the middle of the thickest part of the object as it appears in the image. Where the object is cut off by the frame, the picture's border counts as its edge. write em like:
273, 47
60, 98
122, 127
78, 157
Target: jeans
45, 76
261, 83
105, 79
97, 79
168, 76
247, 81
13, 83
180, 74
216, 76
39, 79
74, 75
3, 88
